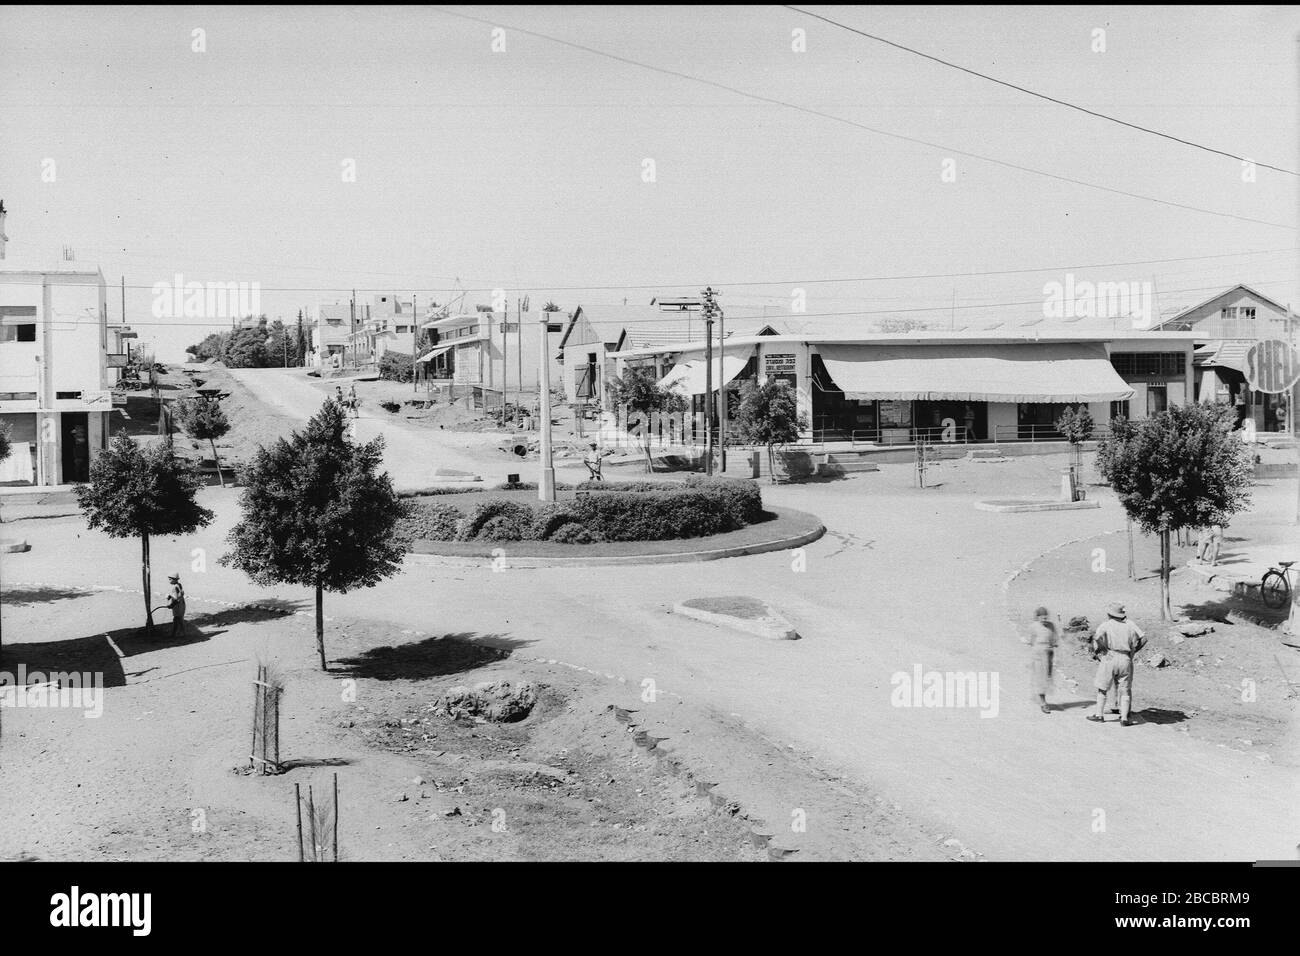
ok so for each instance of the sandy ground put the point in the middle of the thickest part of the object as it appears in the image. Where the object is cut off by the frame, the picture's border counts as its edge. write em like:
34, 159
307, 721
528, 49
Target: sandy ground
905, 578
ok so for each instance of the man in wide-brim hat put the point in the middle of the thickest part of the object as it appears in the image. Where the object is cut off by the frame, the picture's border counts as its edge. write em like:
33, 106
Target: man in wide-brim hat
1115, 643
176, 601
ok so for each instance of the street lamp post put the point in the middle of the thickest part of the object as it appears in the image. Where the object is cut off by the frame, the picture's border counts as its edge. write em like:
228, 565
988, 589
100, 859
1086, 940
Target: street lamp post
545, 486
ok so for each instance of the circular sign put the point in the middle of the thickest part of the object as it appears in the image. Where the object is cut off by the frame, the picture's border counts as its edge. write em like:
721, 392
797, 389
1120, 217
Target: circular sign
1272, 366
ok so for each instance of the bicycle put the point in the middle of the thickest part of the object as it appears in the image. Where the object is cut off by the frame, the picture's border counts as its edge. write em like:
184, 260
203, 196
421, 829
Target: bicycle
1275, 585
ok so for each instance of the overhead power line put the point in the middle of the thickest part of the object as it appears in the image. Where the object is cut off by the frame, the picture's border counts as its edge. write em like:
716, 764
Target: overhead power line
1041, 96
862, 126
691, 283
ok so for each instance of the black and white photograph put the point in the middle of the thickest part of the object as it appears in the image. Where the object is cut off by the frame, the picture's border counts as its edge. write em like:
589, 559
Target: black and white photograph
653, 440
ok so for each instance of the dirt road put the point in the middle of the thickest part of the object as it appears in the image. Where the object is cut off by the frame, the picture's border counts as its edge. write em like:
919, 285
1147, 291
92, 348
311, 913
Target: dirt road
905, 579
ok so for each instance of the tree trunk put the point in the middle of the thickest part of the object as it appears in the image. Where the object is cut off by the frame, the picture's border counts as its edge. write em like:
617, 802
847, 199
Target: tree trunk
148, 597
216, 458
1166, 612
320, 626
1132, 570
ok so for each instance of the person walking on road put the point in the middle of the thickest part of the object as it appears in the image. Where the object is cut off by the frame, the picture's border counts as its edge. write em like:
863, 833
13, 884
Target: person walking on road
176, 601
1042, 639
352, 399
1114, 644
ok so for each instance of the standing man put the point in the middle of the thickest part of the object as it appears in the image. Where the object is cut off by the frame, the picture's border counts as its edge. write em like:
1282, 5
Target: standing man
1211, 541
1114, 644
969, 418
176, 601
352, 399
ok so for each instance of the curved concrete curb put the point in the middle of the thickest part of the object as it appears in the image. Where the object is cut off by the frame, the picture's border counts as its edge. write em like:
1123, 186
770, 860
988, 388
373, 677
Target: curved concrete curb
1019, 506
579, 560
770, 624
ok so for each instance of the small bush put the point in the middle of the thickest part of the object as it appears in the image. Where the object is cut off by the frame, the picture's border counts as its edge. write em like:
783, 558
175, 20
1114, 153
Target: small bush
427, 522
549, 518
517, 520
502, 528
574, 533
391, 407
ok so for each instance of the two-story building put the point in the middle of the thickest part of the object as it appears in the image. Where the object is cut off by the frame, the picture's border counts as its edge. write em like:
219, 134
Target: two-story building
386, 323
55, 383
331, 326
1226, 325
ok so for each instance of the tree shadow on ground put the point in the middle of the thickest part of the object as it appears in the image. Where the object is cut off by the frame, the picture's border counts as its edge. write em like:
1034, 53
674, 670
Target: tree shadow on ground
1159, 715
39, 594
1235, 609
79, 655
299, 762
250, 613
431, 657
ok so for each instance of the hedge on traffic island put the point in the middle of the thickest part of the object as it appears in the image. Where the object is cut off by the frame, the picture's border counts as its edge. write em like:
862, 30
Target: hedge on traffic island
632, 511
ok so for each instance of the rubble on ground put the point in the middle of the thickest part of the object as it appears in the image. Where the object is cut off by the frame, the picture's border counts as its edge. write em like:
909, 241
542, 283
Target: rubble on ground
498, 701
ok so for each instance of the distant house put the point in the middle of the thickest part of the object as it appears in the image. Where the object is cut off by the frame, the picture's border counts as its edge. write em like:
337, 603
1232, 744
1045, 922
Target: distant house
1226, 325
486, 355
330, 328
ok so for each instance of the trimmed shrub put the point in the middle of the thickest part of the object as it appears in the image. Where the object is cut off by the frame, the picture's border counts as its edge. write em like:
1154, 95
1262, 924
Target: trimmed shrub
653, 515
517, 520
427, 522
574, 533
502, 528
742, 499
548, 518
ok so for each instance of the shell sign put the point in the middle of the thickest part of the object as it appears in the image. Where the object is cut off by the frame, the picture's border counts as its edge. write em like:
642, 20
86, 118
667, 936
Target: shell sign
1272, 366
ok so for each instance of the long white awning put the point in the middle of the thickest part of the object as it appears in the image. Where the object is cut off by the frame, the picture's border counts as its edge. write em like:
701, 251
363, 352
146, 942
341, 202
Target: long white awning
1033, 372
689, 378
433, 353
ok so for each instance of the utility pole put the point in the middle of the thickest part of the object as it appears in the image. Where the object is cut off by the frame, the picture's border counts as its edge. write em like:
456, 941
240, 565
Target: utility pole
722, 387
546, 486
415, 344
505, 361
707, 295
352, 339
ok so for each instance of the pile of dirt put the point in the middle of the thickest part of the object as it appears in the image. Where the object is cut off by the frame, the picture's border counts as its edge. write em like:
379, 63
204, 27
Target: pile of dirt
499, 701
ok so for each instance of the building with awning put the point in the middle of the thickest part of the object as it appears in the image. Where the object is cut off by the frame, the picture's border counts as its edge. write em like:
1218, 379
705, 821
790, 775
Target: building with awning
964, 386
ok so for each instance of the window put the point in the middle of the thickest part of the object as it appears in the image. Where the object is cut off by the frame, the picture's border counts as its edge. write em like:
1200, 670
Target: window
71, 396
17, 396
1238, 312
18, 333
1172, 364
1119, 409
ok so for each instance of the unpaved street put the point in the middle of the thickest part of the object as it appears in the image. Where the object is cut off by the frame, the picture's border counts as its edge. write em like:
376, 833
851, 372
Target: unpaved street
905, 578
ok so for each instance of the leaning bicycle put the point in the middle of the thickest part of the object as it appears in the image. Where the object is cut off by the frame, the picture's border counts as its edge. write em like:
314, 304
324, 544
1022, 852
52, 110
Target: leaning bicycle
1275, 586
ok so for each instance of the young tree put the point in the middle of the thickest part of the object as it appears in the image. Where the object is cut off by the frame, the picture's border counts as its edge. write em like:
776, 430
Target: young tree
767, 415
5, 446
1178, 469
318, 512
137, 492
204, 420
639, 391
1076, 425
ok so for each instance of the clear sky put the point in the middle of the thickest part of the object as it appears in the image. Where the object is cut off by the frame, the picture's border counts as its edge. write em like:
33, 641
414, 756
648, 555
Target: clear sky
525, 167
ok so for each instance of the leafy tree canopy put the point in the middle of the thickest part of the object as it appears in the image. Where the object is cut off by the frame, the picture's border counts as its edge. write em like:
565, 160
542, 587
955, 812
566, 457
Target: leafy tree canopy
1182, 468
317, 511
136, 491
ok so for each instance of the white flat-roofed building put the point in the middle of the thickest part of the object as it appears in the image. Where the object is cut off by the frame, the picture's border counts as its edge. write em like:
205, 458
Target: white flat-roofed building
55, 380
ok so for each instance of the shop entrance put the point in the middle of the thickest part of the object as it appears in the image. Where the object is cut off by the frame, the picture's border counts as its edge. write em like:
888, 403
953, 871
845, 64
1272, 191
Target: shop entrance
74, 434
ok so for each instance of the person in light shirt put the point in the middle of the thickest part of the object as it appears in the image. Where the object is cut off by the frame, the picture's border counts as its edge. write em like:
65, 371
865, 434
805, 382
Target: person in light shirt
1114, 644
